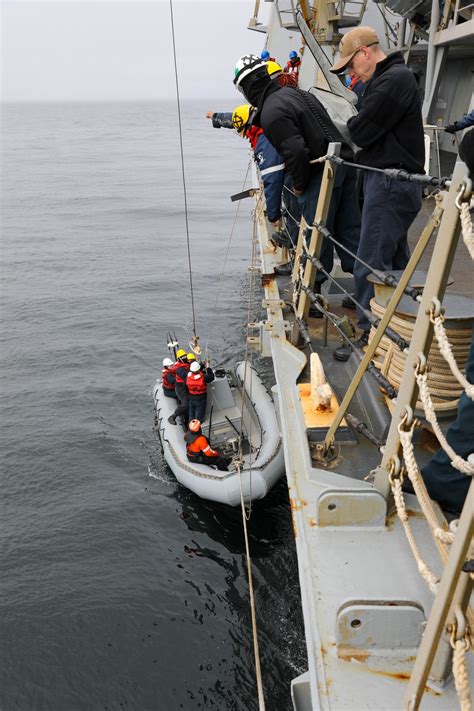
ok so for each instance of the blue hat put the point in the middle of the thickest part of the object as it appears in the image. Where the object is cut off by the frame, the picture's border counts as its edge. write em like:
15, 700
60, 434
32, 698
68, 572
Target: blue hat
265, 55
293, 54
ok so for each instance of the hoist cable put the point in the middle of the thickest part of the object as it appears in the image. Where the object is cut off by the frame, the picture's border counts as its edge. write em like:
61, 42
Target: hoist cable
182, 170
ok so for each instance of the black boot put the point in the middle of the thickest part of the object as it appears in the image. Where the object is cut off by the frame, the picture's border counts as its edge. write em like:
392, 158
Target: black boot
348, 303
344, 351
172, 420
283, 269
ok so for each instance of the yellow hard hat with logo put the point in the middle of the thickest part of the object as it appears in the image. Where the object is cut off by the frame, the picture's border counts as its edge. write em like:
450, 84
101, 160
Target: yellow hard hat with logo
273, 69
240, 117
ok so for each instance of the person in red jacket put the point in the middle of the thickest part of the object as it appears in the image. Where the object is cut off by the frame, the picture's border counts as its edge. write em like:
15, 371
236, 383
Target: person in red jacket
199, 450
168, 378
196, 382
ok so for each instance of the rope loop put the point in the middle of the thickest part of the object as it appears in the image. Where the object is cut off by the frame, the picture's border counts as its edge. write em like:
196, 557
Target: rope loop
456, 460
465, 192
436, 310
421, 366
460, 641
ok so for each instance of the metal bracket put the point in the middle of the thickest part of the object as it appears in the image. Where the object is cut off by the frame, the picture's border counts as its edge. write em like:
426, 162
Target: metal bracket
351, 507
262, 331
365, 630
273, 304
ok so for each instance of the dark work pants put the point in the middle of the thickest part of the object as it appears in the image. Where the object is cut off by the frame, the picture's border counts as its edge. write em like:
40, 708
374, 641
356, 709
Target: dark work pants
343, 220
197, 408
183, 407
292, 214
389, 209
446, 484
169, 393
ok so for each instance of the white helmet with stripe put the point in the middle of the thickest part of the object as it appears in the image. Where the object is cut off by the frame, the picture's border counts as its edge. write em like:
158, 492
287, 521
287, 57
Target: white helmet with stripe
247, 64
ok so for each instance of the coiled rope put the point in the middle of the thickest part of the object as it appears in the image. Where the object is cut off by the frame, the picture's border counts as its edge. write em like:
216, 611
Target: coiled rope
447, 352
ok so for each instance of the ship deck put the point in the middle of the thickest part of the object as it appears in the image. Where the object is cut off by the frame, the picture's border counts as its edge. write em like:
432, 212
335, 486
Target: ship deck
365, 604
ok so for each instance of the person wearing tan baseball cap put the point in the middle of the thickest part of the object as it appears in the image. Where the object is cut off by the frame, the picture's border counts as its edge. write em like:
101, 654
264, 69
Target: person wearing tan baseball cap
355, 41
389, 132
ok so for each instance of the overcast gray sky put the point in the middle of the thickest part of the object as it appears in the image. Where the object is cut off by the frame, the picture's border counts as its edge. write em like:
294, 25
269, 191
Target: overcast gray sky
105, 49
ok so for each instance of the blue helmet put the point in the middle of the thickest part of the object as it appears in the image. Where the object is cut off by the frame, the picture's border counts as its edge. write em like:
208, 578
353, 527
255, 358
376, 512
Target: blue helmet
293, 54
265, 55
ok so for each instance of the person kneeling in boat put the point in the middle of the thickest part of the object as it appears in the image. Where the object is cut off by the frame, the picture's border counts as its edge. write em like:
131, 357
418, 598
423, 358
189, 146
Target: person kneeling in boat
199, 450
196, 382
168, 378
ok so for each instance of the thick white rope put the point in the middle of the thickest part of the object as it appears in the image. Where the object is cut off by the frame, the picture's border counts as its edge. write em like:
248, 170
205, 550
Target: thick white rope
456, 460
446, 350
467, 227
460, 672
406, 439
423, 569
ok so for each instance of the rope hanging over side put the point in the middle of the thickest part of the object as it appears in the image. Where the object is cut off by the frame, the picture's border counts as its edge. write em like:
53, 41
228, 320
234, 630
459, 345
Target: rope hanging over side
465, 208
245, 514
456, 460
423, 569
406, 440
183, 175
460, 671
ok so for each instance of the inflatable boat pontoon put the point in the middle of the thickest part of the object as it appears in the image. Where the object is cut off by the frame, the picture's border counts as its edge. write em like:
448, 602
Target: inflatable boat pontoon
232, 393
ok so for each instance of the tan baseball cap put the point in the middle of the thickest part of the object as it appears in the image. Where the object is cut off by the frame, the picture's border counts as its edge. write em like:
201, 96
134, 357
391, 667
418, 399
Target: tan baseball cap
351, 43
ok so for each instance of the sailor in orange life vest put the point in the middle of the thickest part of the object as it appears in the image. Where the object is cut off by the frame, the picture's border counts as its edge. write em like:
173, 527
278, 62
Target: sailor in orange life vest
200, 451
168, 378
196, 382
294, 63
180, 371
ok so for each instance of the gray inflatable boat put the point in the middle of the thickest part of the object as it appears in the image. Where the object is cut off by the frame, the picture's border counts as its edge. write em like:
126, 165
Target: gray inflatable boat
235, 397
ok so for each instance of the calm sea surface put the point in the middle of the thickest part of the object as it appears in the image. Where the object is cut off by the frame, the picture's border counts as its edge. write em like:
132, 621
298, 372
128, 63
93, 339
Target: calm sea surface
120, 589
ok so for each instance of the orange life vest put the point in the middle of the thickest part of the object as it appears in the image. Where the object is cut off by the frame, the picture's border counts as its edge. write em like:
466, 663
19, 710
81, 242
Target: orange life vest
179, 379
197, 446
166, 382
196, 384
293, 68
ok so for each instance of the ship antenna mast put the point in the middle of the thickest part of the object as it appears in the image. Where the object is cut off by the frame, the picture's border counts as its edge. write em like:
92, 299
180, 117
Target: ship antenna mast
195, 338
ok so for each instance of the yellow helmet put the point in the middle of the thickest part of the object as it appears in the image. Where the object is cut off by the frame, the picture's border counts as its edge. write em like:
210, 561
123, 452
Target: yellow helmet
180, 353
191, 357
273, 69
240, 117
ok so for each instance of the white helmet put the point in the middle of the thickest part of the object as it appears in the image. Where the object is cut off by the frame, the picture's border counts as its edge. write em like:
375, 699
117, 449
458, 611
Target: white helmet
167, 362
194, 367
245, 66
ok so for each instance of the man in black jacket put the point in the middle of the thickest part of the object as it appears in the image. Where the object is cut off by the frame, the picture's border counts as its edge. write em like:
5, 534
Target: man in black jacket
389, 131
299, 127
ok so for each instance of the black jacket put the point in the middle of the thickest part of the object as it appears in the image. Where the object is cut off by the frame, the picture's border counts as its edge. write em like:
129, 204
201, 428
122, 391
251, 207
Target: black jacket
389, 127
299, 127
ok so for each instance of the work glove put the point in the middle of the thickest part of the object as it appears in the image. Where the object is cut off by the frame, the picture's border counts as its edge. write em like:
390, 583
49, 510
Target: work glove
451, 128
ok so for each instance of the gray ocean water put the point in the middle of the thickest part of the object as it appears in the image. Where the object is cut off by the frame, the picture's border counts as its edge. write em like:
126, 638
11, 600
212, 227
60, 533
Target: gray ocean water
119, 588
